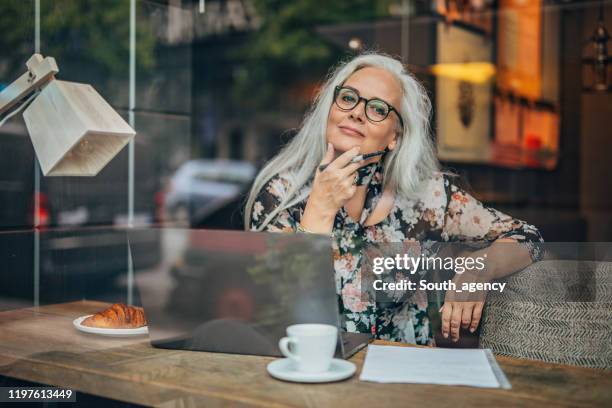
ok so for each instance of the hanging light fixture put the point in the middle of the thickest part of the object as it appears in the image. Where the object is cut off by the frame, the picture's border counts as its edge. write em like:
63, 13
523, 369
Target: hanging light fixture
598, 65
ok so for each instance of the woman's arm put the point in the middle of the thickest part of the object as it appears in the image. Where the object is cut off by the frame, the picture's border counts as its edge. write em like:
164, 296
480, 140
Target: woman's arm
504, 257
467, 219
512, 249
317, 218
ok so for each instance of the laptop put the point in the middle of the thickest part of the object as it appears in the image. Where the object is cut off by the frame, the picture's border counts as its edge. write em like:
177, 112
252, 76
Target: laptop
236, 291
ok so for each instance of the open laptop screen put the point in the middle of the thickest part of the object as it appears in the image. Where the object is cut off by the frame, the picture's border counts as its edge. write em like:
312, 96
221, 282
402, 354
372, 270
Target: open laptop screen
233, 291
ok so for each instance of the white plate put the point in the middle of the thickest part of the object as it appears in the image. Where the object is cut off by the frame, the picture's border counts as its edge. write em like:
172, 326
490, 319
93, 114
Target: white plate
139, 331
284, 369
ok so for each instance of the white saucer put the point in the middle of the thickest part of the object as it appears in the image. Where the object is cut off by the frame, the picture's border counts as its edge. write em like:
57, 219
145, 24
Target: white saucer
139, 331
284, 369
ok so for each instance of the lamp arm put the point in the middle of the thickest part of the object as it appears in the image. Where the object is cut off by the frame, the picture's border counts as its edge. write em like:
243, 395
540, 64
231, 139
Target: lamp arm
40, 72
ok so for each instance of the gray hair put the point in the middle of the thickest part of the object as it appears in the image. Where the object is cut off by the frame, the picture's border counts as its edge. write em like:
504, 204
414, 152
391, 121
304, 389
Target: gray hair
406, 168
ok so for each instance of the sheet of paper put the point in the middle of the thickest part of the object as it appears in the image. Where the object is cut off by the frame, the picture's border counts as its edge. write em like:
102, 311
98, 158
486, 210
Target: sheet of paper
472, 367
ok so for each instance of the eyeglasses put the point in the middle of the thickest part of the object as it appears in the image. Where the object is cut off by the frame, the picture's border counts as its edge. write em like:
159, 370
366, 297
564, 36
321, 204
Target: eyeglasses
376, 109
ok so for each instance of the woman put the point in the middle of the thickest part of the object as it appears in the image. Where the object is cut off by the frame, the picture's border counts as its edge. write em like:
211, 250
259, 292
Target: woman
372, 104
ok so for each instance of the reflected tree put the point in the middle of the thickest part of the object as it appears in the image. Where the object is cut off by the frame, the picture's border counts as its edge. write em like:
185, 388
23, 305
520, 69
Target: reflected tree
286, 51
91, 32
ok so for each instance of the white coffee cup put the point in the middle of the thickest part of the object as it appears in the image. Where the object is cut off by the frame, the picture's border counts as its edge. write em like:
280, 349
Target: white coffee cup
310, 346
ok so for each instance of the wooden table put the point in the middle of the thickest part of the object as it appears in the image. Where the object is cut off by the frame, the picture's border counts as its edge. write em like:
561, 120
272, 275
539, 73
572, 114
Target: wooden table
41, 345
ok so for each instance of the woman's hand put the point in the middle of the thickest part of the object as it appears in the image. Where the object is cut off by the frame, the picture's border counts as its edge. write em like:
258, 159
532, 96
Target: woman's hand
335, 185
457, 315
461, 309
331, 189
464, 310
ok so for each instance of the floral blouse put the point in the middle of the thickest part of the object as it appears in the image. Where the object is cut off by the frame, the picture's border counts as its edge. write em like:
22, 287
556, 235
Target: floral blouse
442, 212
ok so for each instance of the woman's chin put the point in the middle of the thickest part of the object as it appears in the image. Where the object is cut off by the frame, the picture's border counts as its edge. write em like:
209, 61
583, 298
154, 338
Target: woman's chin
344, 144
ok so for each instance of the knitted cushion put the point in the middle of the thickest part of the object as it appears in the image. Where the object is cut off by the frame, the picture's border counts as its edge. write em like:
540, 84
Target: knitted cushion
556, 311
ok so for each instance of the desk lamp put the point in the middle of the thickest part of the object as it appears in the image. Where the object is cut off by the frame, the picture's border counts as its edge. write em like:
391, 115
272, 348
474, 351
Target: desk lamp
75, 132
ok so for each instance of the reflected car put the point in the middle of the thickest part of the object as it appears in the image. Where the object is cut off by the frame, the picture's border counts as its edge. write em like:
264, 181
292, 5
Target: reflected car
204, 187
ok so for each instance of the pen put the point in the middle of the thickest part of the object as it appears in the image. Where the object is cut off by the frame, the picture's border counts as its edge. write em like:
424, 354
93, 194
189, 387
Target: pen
357, 158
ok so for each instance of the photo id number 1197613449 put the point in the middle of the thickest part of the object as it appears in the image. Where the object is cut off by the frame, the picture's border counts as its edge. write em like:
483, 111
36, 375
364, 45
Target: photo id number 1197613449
36, 394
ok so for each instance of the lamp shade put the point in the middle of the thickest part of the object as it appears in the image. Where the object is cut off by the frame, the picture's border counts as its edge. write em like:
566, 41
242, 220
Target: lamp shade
75, 132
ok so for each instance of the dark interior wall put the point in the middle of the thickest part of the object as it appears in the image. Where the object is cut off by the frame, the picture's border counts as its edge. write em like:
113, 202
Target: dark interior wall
559, 189
596, 146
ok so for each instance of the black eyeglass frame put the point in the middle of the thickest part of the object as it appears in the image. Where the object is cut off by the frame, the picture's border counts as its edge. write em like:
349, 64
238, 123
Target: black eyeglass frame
360, 98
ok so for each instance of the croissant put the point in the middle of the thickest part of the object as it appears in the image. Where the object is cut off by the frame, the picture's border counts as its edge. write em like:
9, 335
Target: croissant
118, 316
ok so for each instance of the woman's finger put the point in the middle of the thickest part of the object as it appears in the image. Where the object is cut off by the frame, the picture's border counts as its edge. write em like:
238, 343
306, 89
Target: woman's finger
329, 155
347, 184
455, 323
447, 310
344, 159
476, 315
350, 170
352, 167
466, 315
